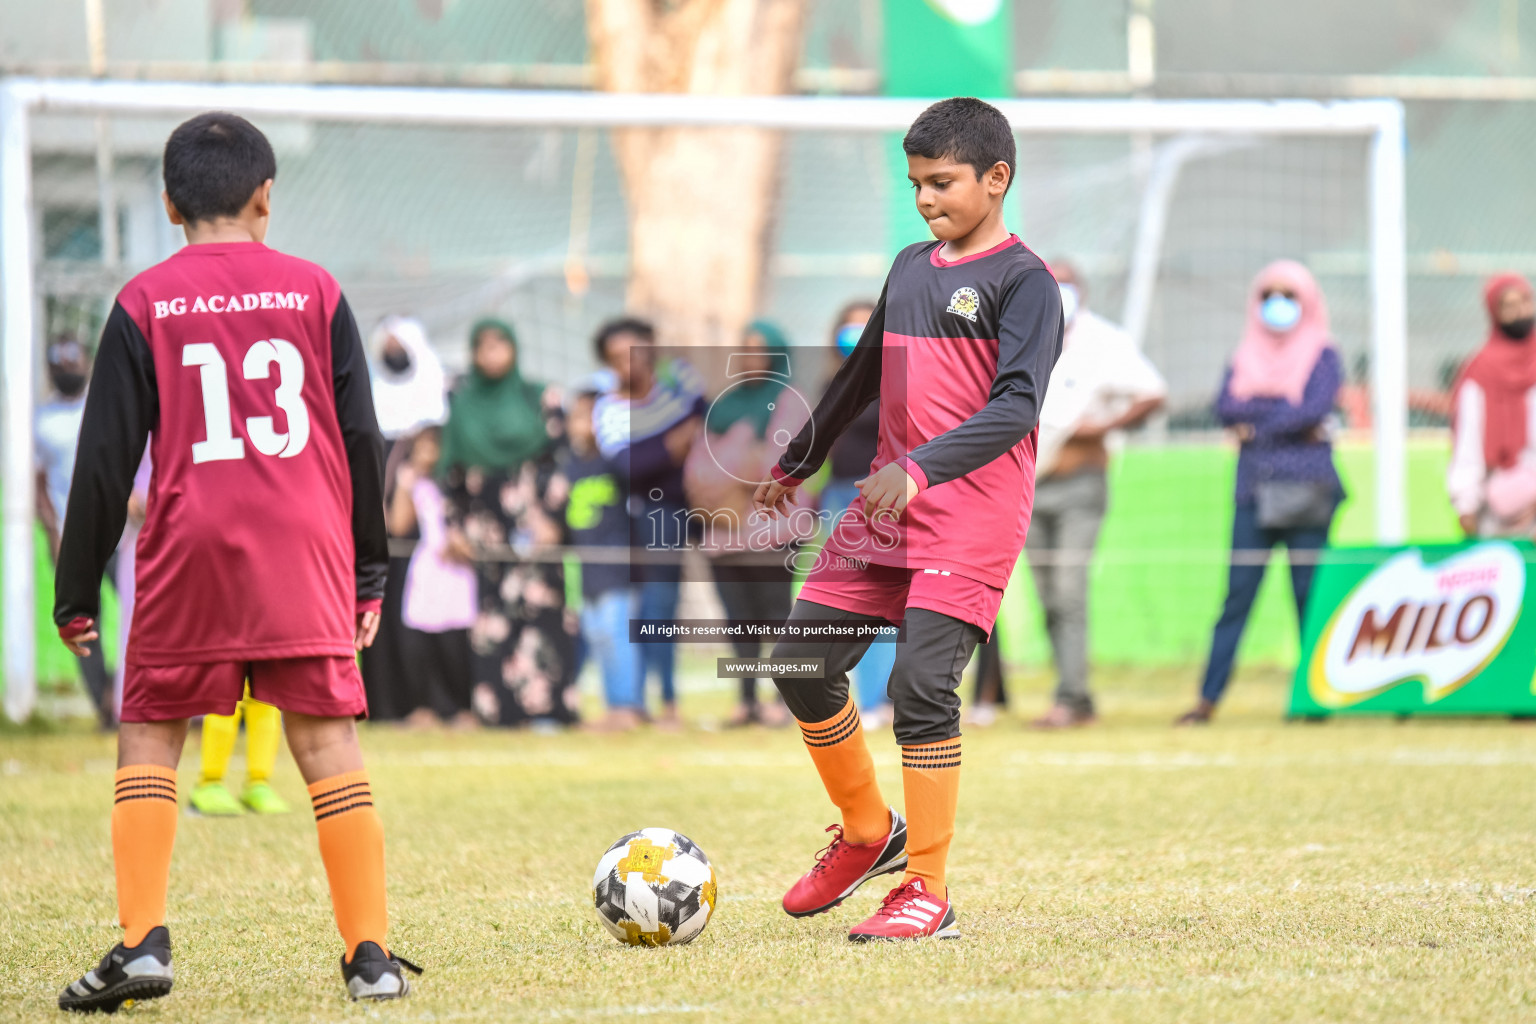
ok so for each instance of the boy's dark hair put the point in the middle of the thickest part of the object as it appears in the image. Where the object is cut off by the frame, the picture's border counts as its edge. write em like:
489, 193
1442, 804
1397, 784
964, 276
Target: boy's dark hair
967, 130
214, 163
642, 329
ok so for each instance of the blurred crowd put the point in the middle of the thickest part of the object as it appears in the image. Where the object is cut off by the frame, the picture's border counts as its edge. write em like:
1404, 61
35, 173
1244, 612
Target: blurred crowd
525, 515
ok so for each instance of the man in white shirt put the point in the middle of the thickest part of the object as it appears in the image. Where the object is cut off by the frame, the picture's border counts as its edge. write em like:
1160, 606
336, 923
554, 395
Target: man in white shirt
1102, 383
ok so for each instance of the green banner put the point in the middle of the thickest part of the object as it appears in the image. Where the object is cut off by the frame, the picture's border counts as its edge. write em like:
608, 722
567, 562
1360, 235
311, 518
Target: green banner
948, 48
940, 48
1445, 629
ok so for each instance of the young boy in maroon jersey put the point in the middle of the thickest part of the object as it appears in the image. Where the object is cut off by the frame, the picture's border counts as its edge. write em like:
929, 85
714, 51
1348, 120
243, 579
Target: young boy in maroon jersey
263, 551
958, 351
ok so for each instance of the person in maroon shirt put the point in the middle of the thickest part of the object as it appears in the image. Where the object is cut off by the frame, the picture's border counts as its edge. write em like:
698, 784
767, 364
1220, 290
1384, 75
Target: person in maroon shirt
263, 552
958, 351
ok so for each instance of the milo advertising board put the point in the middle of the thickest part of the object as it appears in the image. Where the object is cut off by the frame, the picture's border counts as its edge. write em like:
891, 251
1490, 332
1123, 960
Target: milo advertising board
1447, 629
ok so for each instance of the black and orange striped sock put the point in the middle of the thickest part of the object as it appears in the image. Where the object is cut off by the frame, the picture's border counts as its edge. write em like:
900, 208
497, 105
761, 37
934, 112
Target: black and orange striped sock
842, 758
930, 774
143, 833
352, 847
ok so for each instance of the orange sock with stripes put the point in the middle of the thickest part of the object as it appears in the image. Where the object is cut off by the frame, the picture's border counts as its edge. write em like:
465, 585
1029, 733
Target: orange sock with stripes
143, 833
930, 774
842, 758
352, 846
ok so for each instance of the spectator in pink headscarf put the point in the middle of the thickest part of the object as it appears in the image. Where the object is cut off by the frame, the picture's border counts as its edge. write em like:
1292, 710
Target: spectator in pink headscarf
1277, 397
1492, 475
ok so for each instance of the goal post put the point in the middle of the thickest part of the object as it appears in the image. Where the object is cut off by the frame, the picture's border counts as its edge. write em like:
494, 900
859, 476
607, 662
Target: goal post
1377, 122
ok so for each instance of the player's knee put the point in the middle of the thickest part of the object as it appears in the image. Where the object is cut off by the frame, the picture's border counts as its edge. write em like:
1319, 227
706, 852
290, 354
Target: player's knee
809, 700
151, 742
812, 700
322, 747
922, 714
927, 724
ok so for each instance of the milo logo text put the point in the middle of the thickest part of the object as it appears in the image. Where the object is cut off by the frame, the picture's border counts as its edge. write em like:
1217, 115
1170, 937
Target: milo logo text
1436, 625
1415, 628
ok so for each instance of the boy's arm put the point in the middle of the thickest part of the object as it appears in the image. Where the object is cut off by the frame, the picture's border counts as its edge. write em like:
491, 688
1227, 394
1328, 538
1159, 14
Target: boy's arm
121, 409
365, 456
853, 387
1028, 344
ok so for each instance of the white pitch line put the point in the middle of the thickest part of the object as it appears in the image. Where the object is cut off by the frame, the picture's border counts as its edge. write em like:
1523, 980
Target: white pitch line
1150, 760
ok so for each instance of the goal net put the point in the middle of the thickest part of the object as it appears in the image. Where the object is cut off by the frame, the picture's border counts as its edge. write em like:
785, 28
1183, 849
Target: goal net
449, 206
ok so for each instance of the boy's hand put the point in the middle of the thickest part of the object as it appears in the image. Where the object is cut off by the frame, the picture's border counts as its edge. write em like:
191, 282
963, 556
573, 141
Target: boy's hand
774, 498
891, 487
367, 629
78, 632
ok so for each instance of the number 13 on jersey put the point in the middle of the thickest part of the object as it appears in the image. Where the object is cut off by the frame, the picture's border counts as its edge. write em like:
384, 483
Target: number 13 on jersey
289, 398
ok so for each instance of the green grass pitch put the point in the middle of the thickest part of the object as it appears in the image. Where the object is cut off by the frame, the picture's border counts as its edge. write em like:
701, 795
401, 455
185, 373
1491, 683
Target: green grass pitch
1254, 871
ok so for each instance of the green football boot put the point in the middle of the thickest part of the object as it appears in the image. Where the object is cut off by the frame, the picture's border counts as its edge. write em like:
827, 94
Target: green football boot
263, 799
212, 800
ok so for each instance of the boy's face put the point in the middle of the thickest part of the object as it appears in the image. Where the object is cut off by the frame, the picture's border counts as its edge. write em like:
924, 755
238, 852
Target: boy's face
950, 197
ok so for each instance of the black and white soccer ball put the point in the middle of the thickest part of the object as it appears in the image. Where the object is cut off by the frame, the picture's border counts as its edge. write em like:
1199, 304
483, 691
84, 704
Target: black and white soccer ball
654, 887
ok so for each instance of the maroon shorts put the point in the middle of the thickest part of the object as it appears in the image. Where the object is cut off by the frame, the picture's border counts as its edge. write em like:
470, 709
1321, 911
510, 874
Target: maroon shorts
887, 591
327, 687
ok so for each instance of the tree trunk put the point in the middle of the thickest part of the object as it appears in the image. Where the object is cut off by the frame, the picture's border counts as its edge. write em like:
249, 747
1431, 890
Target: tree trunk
700, 200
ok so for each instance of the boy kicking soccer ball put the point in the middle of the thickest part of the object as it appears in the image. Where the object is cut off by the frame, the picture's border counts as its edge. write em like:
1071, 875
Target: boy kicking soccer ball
958, 351
263, 551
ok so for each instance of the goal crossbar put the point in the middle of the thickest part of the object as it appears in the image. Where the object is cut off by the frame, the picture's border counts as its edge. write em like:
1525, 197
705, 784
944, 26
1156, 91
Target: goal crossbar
1378, 121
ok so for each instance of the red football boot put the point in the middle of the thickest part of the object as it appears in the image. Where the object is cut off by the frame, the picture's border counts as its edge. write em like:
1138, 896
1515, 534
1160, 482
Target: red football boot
910, 911
843, 866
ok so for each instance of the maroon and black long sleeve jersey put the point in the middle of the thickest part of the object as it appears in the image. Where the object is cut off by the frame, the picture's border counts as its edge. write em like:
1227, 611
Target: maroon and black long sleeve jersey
265, 531
959, 354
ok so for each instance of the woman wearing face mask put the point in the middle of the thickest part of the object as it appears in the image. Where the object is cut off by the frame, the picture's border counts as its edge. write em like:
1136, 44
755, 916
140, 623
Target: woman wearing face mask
1492, 475
1277, 397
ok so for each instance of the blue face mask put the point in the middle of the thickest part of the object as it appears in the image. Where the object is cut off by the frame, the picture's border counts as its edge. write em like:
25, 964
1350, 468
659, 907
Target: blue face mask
848, 338
1280, 313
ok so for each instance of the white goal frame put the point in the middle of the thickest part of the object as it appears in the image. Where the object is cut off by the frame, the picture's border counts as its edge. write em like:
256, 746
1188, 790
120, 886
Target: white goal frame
1380, 121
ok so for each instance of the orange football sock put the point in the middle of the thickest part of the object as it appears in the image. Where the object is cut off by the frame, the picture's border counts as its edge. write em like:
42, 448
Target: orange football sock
143, 832
352, 846
930, 774
842, 757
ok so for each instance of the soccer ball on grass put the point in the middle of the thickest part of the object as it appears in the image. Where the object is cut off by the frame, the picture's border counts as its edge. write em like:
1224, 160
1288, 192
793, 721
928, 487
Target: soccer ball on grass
654, 887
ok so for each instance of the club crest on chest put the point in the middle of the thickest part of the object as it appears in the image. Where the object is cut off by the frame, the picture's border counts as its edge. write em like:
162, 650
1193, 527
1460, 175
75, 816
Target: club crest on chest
965, 302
